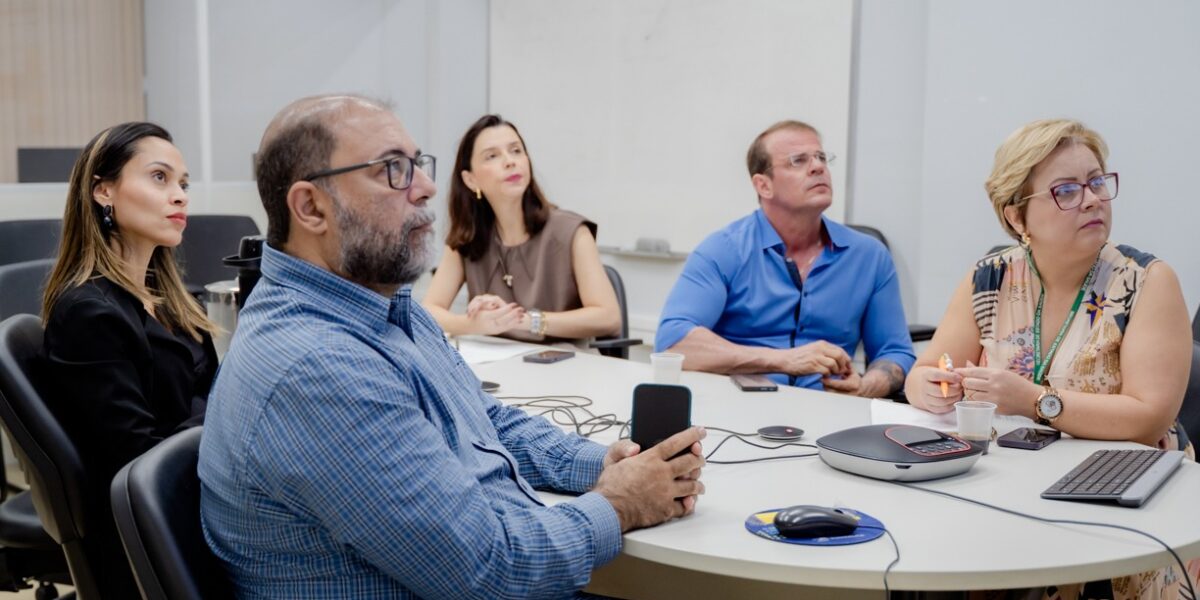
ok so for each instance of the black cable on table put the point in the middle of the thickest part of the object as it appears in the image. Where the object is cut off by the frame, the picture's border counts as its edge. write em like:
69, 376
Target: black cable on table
1183, 568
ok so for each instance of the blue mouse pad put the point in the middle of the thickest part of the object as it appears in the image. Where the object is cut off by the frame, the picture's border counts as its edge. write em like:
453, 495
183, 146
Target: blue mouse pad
762, 524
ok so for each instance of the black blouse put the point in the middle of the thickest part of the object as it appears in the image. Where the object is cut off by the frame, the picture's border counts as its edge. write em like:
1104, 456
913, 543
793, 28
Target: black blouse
120, 383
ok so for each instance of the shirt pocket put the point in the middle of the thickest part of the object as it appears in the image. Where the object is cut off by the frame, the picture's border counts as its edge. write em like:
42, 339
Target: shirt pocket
513, 473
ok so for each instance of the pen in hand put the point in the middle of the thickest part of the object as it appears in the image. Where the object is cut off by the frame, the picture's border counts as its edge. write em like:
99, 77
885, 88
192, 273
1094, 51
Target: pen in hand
945, 364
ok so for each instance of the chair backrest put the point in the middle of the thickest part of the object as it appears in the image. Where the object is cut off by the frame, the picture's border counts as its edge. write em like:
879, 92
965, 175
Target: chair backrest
1189, 413
21, 286
619, 287
49, 457
871, 231
208, 239
30, 239
156, 502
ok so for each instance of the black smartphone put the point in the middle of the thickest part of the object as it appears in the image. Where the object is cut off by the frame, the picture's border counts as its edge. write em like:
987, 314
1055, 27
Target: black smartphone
753, 383
659, 412
1029, 438
548, 356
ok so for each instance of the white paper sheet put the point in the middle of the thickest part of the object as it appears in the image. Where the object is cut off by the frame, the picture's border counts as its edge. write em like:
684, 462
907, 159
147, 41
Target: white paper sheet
886, 411
479, 349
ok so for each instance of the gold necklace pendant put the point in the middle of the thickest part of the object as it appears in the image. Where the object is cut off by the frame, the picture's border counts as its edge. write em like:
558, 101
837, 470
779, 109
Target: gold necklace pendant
508, 279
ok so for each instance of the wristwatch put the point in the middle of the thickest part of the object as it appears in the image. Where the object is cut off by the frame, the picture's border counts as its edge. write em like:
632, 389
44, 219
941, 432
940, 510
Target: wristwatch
537, 322
1048, 406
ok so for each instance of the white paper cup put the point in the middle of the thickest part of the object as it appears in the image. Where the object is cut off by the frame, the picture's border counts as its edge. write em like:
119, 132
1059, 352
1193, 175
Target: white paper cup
975, 421
667, 366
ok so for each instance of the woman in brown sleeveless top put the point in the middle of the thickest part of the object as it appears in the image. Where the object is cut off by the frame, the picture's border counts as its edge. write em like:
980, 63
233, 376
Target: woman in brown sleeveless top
532, 271
1068, 329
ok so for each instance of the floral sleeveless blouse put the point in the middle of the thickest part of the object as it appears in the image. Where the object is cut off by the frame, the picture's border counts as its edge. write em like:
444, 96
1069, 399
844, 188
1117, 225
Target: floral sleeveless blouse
1088, 360
1089, 357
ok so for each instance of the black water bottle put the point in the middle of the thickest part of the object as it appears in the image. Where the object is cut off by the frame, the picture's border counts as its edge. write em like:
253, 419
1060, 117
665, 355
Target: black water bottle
247, 262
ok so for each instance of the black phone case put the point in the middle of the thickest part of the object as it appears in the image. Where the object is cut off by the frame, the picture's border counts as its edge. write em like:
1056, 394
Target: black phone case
753, 387
1009, 440
541, 359
663, 410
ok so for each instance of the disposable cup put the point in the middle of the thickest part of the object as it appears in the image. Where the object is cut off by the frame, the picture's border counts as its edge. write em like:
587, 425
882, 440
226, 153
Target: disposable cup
975, 421
667, 366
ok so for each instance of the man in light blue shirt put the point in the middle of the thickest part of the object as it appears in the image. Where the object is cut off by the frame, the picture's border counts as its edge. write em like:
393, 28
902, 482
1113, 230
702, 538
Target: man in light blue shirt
787, 291
348, 451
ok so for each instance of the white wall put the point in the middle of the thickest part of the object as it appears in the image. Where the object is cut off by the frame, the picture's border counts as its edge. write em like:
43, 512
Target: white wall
638, 113
937, 85
887, 127
428, 58
1126, 69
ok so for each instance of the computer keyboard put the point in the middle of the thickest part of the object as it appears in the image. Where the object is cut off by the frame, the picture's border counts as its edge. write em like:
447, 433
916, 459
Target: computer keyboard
1128, 477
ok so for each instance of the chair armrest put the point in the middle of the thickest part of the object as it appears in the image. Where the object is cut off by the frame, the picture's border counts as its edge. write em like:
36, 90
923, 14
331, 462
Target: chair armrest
609, 343
921, 333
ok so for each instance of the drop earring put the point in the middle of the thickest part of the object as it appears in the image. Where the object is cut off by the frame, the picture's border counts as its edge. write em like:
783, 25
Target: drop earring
107, 218
478, 194
1025, 238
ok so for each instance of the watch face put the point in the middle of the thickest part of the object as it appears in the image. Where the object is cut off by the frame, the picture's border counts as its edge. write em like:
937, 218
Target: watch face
1050, 405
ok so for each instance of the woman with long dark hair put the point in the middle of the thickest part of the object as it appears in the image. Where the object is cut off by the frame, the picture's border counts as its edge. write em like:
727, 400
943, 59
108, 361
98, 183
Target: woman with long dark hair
532, 270
128, 353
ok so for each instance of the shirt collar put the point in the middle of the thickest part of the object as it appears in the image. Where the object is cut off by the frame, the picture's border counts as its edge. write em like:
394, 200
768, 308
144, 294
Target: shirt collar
768, 238
331, 292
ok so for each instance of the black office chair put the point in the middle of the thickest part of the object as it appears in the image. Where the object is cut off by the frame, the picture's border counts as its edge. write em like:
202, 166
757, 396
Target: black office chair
617, 347
30, 239
156, 501
21, 286
49, 457
1189, 413
208, 239
918, 333
999, 248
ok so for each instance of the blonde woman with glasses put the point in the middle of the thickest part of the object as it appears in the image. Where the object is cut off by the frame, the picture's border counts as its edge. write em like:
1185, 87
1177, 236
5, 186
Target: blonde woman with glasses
1066, 328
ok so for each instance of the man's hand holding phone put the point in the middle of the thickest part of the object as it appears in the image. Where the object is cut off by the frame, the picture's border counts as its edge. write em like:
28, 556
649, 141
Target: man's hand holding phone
650, 487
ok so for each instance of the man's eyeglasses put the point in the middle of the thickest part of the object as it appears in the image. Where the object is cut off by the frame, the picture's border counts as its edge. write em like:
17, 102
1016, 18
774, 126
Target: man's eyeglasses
400, 169
801, 161
1069, 195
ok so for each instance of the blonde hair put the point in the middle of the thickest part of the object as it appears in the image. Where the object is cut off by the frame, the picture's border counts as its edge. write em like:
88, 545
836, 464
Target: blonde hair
84, 251
1026, 148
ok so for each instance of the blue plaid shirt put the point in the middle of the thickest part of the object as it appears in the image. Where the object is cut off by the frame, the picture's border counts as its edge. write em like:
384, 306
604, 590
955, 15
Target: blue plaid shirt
348, 452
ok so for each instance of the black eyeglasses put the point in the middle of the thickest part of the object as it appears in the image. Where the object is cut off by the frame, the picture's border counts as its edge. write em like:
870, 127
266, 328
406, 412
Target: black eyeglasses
400, 169
1069, 195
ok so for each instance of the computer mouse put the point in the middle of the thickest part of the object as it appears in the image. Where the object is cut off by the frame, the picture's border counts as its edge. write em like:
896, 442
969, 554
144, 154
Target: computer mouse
807, 521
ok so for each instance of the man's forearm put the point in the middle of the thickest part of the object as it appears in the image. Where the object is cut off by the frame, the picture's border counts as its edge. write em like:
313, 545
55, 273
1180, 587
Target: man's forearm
882, 379
706, 351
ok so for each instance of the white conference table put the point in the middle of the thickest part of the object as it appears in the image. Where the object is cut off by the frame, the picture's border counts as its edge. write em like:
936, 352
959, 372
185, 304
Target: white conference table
945, 544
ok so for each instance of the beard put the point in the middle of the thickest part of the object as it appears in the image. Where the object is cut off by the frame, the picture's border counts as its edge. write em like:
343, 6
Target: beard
373, 255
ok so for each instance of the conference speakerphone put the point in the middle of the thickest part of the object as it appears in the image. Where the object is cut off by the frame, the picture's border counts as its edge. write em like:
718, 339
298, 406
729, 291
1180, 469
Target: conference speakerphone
898, 452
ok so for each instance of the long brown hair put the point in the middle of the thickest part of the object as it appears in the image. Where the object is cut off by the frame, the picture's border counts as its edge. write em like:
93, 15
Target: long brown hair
84, 251
472, 222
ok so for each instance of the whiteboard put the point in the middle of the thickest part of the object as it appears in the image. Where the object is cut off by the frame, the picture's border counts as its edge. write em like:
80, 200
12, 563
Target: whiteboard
638, 113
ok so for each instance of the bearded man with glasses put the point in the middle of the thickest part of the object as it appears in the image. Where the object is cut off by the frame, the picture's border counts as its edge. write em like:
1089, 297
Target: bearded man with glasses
787, 291
349, 452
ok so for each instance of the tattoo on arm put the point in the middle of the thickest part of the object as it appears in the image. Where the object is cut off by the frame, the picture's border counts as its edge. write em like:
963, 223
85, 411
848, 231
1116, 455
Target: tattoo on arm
891, 373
